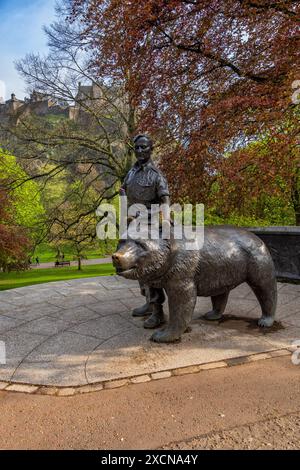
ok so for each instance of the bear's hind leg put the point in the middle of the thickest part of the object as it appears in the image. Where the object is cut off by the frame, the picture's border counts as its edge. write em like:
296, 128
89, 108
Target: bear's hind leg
266, 294
219, 303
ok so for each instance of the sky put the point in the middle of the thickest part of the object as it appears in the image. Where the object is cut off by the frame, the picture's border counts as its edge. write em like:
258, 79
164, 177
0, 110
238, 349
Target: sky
21, 32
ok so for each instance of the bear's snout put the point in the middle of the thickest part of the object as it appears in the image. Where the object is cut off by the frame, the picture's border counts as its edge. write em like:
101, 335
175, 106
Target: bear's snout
123, 260
116, 258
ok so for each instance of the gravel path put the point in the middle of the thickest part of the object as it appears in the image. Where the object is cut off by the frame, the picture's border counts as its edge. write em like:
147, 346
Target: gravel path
254, 405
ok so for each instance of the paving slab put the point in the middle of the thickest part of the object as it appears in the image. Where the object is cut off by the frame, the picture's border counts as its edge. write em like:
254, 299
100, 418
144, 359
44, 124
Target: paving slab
32, 299
18, 345
54, 374
28, 313
113, 294
111, 307
95, 290
8, 323
292, 289
81, 332
9, 296
103, 327
6, 306
74, 301
66, 347
46, 326
74, 315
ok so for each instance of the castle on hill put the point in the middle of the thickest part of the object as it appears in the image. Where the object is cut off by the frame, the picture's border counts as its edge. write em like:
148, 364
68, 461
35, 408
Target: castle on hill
39, 104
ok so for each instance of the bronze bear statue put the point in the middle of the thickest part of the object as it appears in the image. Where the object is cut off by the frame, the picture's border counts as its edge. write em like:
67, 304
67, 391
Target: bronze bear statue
229, 256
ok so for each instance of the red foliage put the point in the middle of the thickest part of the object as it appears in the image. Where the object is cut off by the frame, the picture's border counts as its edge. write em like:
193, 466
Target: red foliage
203, 74
14, 244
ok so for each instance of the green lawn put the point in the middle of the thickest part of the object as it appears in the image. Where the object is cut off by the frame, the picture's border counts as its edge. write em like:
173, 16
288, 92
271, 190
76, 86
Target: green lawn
47, 254
39, 276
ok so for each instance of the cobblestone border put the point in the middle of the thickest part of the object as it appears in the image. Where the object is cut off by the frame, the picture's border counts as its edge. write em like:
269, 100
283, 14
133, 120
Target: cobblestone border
117, 383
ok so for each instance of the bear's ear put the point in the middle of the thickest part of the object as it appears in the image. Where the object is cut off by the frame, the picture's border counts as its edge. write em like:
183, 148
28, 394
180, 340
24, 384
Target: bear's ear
142, 244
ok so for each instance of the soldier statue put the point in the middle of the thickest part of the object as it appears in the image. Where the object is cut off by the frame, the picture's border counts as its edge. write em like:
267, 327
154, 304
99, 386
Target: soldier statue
145, 184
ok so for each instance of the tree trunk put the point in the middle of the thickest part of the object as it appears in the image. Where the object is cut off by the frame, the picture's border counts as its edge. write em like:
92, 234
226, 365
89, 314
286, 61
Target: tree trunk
79, 263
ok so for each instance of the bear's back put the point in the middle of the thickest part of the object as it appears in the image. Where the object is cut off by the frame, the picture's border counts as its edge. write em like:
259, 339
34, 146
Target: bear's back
224, 258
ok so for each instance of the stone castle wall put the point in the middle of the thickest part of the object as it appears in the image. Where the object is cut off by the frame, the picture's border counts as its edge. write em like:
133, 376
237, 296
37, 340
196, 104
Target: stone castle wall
40, 105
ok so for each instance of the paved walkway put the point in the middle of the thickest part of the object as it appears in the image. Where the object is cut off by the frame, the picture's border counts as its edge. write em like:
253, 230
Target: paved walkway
84, 262
81, 332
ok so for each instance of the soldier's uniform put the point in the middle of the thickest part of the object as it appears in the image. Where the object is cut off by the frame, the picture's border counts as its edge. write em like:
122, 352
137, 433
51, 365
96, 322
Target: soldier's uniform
145, 184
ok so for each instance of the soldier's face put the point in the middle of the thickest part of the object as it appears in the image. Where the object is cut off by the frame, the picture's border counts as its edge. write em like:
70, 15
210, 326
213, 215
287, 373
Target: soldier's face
142, 150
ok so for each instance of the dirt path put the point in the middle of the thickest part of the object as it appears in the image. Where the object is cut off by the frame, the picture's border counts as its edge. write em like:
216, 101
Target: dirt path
276, 433
249, 406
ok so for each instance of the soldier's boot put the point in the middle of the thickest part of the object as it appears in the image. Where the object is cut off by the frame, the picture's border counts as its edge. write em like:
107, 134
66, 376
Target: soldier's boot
142, 311
145, 309
157, 316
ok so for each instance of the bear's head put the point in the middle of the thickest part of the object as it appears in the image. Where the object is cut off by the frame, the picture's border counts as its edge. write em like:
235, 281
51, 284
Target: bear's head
142, 259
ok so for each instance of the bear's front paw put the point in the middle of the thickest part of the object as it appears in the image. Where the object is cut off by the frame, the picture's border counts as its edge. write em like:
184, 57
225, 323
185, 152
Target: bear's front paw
165, 336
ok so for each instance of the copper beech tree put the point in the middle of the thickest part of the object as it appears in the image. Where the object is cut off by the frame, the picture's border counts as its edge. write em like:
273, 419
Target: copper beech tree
14, 242
208, 77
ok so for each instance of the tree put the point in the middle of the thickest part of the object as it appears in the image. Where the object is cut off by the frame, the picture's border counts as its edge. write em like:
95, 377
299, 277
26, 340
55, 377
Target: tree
79, 238
265, 173
25, 204
14, 241
69, 230
206, 75
94, 145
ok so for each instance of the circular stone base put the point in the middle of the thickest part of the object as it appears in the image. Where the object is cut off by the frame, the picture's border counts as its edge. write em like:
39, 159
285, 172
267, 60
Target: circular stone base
82, 333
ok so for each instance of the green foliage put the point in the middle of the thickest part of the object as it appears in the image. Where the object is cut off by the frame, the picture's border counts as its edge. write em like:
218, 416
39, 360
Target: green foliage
107, 247
258, 184
211, 218
28, 210
55, 118
54, 191
275, 212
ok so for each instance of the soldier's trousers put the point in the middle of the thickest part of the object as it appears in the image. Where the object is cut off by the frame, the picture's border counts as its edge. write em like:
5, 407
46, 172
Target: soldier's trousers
154, 295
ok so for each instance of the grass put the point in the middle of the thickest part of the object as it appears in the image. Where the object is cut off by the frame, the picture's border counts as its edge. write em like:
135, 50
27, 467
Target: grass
47, 254
39, 276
